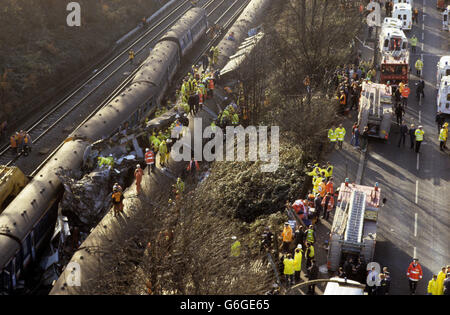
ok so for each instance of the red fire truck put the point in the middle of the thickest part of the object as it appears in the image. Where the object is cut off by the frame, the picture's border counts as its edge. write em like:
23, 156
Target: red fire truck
394, 67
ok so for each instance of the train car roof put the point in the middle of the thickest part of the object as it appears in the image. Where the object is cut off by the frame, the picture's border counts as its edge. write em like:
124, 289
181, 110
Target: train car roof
184, 24
28, 207
154, 68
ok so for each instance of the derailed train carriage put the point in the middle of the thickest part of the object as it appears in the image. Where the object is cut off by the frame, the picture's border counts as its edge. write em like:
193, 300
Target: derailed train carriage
87, 258
27, 223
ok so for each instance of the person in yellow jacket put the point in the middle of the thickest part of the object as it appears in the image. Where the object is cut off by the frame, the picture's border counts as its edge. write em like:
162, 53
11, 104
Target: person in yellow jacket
419, 137
413, 42
443, 135
298, 262
440, 280
332, 136
419, 66
131, 56
433, 288
235, 247
340, 134
289, 271
163, 153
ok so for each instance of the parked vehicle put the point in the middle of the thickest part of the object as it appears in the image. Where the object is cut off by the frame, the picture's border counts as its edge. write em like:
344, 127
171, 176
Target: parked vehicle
354, 228
443, 96
403, 12
376, 109
392, 22
392, 40
443, 69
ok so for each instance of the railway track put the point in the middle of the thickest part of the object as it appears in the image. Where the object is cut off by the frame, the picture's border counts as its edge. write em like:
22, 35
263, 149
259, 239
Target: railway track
126, 82
64, 113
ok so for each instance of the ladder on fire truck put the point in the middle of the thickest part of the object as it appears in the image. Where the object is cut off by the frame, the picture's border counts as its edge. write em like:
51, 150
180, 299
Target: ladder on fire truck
355, 222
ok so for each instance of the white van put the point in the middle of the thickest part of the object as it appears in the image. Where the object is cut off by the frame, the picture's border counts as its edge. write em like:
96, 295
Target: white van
403, 12
410, 2
392, 40
341, 288
392, 22
445, 17
443, 98
443, 69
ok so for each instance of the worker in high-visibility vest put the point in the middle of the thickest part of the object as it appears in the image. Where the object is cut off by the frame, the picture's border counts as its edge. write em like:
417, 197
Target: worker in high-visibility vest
289, 269
13, 142
310, 234
131, 56
419, 66
298, 254
433, 288
332, 136
443, 135
340, 134
419, 137
235, 247
309, 254
162, 153
413, 42
150, 160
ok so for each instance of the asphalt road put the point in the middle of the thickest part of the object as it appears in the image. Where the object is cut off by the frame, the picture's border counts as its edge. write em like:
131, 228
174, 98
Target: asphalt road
415, 222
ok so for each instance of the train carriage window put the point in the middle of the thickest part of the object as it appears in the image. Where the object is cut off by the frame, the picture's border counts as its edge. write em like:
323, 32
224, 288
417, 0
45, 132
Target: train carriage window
404, 17
447, 72
399, 16
448, 98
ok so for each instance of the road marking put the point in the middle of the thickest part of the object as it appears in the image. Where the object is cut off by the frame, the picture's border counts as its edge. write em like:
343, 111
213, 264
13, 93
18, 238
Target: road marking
423, 27
415, 251
423, 36
420, 115
418, 159
415, 224
417, 191
422, 47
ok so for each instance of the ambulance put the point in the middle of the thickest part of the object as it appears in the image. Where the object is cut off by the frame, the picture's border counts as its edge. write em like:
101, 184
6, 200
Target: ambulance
392, 22
443, 98
443, 69
410, 2
403, 12
392, 40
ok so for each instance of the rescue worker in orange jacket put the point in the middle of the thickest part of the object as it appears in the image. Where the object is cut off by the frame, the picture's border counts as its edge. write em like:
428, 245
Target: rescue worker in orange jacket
329, 187
138, 173
13, 140
287, 236
150, 160
327, 205
414, 274
193, 166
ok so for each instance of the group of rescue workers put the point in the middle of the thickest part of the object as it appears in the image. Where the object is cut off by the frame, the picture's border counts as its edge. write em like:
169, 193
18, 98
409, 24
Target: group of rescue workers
197, 86
21, 143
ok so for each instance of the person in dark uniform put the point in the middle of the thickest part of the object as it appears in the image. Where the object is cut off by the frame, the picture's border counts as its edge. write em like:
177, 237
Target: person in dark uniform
313, 274
403, 133
412, 135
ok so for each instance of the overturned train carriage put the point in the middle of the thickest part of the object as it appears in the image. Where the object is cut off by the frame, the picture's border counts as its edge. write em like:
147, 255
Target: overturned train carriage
28, 222
249, 18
